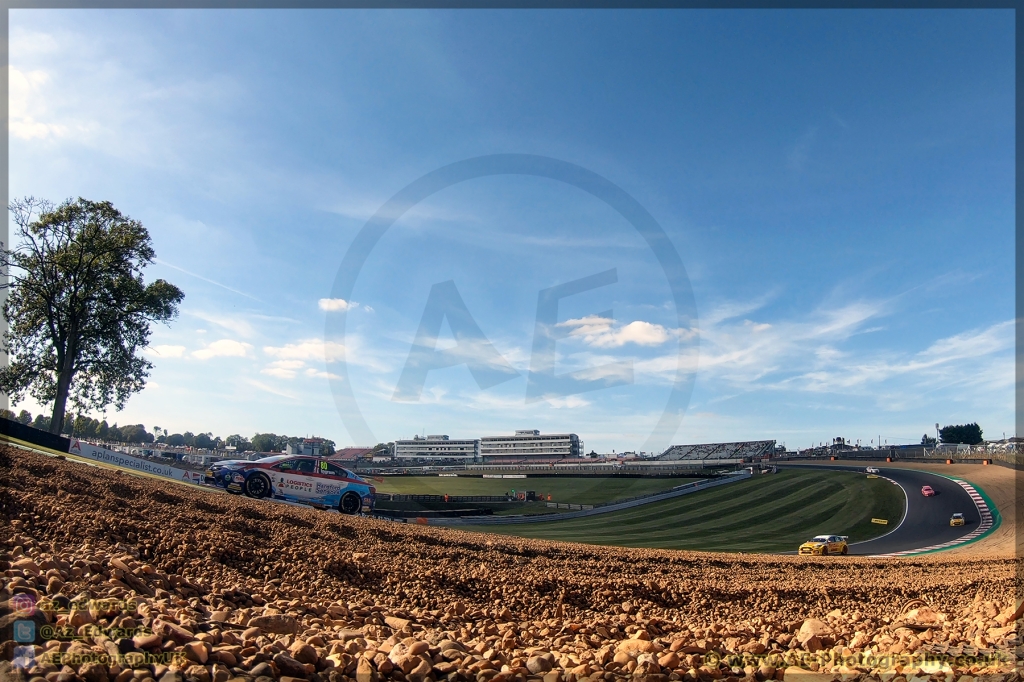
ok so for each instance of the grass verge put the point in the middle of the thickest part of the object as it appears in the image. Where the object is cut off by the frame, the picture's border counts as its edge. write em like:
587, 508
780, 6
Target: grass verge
561, 489
769, 513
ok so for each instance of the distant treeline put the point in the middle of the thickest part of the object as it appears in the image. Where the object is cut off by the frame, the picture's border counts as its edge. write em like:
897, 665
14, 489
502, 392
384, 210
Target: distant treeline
83, 426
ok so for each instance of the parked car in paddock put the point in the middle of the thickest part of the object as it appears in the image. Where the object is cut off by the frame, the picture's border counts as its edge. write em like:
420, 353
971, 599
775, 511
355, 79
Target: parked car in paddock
826, 544
957, 519
296, 478
927, 491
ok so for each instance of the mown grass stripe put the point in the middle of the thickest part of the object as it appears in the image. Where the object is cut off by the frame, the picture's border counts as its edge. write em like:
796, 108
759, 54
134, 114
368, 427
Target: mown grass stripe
765, 513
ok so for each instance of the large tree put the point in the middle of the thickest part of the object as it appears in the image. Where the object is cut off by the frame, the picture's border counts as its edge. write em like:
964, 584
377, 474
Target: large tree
268, 442
78, 311
961, 433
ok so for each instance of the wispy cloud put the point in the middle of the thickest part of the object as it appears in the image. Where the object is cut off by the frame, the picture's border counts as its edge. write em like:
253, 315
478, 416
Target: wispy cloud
205, 279
271, 389
320, 374
816, 353
233, 323
944, 363
800, 152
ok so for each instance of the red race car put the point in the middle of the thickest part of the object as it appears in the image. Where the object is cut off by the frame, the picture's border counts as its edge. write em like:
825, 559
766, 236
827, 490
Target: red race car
927, 491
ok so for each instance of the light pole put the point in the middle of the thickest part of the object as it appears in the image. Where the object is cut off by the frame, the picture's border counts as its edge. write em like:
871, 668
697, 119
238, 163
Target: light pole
936, 433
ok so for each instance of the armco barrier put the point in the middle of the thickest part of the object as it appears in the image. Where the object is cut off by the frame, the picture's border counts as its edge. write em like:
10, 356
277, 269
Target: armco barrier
615, 506
98, 454
79, 448
402, 497
13, 429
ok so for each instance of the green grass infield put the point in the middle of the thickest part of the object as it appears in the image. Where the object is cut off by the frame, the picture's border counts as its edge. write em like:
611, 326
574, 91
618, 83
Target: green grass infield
766, 513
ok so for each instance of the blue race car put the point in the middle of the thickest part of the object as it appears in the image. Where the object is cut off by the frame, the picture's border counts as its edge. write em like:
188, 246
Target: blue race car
296, 478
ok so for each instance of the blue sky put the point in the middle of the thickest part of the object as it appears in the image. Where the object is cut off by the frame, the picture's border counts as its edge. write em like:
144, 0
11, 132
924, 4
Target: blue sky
837, 184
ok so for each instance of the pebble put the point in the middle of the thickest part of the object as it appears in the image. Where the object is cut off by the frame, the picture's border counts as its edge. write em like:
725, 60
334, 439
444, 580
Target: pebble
360, 599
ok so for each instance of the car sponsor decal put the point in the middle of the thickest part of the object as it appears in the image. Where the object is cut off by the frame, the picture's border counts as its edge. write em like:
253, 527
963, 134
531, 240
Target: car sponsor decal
328, 488
291, 484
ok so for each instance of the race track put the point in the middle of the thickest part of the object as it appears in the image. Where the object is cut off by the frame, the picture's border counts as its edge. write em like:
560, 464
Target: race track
926, 522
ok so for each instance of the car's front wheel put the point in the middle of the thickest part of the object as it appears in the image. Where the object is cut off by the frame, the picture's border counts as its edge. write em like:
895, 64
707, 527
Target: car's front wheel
824, 551
350, 503
257, 485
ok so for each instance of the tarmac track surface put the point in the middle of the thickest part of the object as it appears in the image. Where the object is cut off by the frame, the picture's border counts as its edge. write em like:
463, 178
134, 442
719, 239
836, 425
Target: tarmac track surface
926, 520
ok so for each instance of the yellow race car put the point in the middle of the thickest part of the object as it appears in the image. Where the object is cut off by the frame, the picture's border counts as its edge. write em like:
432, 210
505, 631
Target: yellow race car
826, 544
957, 519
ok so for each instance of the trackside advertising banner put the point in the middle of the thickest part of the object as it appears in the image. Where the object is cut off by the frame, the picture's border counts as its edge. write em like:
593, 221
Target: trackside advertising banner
94, 452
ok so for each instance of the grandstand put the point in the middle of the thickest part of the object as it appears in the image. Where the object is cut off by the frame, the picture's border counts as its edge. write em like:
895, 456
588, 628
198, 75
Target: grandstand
720, 453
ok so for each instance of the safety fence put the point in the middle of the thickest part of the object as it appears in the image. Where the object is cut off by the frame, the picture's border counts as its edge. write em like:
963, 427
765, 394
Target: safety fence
399, 497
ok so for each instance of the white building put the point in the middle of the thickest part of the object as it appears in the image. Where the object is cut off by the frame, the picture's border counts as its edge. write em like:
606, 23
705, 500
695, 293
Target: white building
438, 447
308, 446
529, 444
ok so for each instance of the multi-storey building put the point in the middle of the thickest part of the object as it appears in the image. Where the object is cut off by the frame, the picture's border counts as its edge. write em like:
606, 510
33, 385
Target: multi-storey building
438, 447
530, 445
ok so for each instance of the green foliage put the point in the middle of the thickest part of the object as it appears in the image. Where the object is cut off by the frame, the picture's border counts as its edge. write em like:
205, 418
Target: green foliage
326, 446
239, 442
203, 441
969, 434
927, 440
84, 426
79, 312
269, 442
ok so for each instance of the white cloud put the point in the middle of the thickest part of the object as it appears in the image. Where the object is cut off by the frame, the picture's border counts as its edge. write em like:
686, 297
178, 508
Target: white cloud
166, 351
334, 305
27, 102
567, 402
310, 372
279, 372
308, 349
32, 43
316, 351
600, 332
223, 348
288, 364
283, 369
